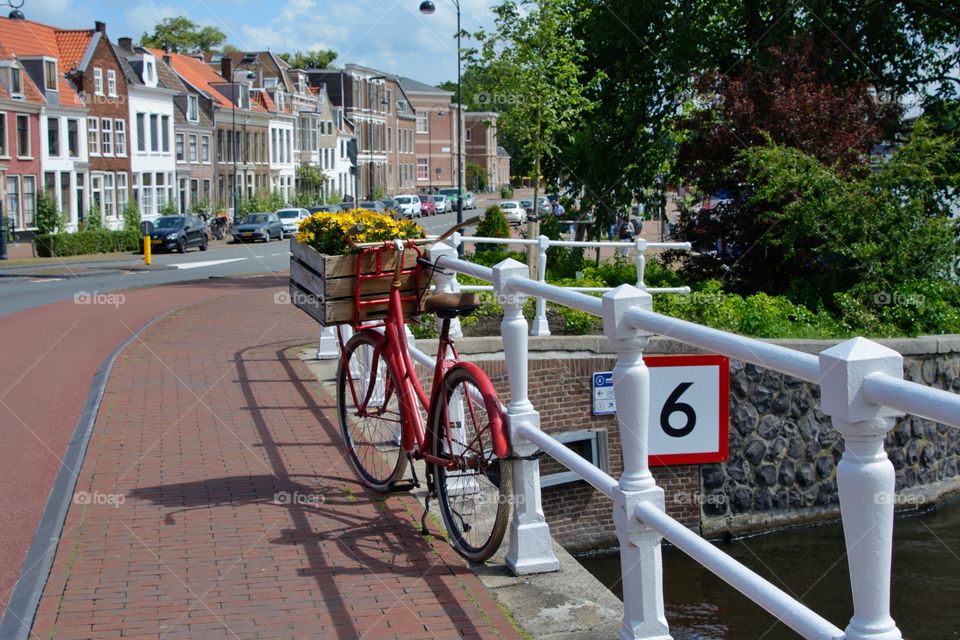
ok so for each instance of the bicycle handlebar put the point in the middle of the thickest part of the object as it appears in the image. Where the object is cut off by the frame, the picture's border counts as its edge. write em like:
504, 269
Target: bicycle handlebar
358, 228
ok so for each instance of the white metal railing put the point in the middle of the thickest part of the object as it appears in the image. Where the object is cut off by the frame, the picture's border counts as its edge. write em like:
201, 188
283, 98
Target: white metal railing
638, 246
862, 390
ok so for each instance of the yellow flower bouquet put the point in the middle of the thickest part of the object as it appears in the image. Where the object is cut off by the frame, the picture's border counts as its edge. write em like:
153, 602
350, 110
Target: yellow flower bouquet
327, 232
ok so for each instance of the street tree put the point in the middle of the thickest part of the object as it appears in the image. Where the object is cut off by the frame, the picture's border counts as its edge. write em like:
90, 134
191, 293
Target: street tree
182, 35
535, 60
315, 59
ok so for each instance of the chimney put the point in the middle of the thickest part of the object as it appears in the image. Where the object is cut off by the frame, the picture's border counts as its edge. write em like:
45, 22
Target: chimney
100, 26
126, 44
226, 67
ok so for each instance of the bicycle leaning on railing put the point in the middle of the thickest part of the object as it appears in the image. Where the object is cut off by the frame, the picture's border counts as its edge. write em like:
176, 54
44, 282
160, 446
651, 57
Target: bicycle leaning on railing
381, 404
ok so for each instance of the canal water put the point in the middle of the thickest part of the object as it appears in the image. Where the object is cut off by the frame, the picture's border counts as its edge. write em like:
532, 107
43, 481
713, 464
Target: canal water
811, 565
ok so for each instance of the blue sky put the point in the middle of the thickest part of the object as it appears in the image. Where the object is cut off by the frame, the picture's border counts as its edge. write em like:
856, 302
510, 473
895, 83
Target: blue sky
389, 35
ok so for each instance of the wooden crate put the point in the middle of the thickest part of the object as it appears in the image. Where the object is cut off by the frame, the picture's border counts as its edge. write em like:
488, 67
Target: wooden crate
323, 286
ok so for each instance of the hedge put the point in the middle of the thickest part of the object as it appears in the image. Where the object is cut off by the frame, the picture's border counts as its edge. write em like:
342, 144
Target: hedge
87, 242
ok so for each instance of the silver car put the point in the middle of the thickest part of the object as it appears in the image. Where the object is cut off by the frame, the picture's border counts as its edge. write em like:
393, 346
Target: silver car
513, 211
291, 219
470, 201
443, 205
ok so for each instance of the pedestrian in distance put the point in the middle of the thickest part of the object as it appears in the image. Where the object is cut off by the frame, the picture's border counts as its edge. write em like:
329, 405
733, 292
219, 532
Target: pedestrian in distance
626, 235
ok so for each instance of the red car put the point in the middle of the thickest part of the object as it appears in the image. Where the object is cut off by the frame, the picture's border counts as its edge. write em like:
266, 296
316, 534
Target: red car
428, 206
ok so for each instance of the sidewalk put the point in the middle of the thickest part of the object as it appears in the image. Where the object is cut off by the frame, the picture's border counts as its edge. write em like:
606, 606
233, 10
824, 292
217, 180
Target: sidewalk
214, 501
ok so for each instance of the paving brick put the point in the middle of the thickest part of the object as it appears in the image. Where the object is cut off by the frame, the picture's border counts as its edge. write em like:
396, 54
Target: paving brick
198, 436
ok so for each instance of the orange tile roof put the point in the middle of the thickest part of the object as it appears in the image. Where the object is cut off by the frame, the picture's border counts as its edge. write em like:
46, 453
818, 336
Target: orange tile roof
197, 73
73, 46
266, 101
24, 39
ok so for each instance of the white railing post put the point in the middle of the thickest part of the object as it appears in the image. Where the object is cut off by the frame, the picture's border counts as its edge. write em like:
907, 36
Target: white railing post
641, 564
530, 549
540, 326
641, 248
866, 479
446, 281
327, 346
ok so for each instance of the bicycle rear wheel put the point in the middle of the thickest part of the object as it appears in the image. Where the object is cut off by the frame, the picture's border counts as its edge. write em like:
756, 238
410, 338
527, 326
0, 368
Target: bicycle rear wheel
368, 406
474, 502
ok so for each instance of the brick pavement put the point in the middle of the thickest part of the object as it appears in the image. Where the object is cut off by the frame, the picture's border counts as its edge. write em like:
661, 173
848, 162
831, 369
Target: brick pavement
218, 504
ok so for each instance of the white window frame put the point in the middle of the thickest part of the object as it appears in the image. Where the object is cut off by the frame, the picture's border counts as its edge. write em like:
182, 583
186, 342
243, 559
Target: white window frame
16, 82
18, 195
121, 192
26, 118
47, 77
192, 151
106, 137
5, 142
179, 146
423, 163
23, 199
108, 200
205, 150
120, 137
193, 108
111, 83
423, 123
97, 81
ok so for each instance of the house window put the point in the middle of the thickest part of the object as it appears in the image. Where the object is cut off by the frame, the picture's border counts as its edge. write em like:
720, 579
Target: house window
161, 192
244, 97
165, 133
108, 196
467, 136
16, 82
50, 75
106, 137
193, 109
205, 149
29, 201
13, 197
73, 137
154, 132
121, 192
120, 137
422, 125
423, 171
146, 195
179, 149
141, 132
4, 150
193, 147
53, 137
98, 81
148, 74
111, 83
93, 136
390, 140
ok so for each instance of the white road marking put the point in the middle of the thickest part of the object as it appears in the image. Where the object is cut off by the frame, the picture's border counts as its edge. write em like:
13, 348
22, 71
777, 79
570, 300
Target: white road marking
46, 280
205, 263
257, 256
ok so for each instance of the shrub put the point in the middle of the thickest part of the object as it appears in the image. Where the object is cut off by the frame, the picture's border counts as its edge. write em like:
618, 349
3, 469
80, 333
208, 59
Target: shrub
93, 221
131, 217
87, 242
49, 220
494, 225
506, 191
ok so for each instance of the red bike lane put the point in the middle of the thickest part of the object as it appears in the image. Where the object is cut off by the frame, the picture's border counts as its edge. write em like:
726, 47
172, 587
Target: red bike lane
48, 357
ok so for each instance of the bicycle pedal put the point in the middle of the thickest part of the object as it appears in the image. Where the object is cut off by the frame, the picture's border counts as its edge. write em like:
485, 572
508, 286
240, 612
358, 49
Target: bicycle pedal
403, 487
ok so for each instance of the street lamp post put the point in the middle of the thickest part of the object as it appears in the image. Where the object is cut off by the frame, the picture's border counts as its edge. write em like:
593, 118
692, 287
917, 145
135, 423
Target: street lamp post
427, 7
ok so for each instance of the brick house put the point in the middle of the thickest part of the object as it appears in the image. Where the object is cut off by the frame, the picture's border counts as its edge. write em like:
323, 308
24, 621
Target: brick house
480, 142
20, 106
62, 162
384, 122
194, 136
92, 65
436, 134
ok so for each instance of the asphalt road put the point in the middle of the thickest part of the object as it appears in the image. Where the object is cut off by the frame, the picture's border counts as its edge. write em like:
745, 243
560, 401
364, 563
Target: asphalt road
90, 282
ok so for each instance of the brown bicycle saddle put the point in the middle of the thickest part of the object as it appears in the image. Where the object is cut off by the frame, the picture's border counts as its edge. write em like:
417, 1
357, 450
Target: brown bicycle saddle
451, 305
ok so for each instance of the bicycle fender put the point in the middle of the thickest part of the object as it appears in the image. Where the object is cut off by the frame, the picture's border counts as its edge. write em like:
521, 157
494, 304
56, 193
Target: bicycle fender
501, 446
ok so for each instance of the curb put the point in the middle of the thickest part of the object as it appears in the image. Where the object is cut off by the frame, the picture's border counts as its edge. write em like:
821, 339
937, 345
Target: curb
25, 598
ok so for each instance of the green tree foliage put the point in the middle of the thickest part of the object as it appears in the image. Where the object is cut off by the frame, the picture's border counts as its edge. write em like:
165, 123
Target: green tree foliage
315, 59
131, 216
183, 35
494, 225
49, 219
477, 177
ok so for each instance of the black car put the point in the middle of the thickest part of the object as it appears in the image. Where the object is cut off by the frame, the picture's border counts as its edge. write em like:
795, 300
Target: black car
177, 233
372, 205
259, 226
327, 208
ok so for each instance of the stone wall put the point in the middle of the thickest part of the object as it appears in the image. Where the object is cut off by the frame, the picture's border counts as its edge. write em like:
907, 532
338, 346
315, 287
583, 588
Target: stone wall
783, 451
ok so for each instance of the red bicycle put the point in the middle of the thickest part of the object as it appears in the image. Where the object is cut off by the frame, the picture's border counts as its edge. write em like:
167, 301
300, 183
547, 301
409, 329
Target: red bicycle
382, 405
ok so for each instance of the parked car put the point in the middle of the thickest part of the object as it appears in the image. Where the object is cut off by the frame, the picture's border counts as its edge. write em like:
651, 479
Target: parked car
372, 205
470, 201
513, 211
428, 205
408, 206
290, 218
331, 208
389, 204
443, 205
177, 233
258, 226
527, 206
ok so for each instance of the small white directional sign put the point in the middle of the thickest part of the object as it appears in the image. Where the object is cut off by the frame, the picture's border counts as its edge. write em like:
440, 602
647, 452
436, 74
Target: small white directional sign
689, 400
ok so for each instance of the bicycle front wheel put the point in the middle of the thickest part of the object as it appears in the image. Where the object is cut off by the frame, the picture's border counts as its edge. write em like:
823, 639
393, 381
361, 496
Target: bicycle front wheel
368, 406
474, 501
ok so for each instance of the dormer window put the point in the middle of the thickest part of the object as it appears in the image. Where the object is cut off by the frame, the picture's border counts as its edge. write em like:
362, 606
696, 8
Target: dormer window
148, 70
50, 75
16, 82
193, 109
244, 99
